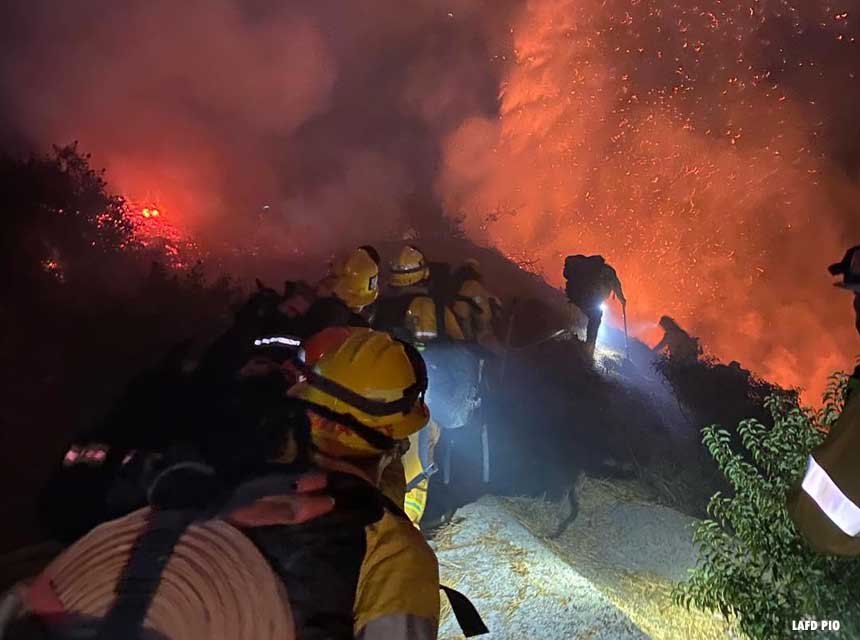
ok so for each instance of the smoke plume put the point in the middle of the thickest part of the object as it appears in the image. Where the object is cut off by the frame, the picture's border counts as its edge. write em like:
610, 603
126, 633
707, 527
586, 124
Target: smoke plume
256, 126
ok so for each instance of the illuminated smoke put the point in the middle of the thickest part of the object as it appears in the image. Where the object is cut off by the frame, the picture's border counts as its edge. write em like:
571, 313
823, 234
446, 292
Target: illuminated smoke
260, 125
178, 100
703, 148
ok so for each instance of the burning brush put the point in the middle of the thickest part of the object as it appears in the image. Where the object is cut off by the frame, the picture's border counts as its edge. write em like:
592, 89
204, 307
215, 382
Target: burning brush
154, 228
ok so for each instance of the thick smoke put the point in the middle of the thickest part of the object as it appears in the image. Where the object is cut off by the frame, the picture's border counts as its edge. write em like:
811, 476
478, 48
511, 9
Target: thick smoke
257, 125
707, 149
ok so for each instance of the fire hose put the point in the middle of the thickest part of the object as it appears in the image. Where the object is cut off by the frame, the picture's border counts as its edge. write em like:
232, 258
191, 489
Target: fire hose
552, 336
537, 343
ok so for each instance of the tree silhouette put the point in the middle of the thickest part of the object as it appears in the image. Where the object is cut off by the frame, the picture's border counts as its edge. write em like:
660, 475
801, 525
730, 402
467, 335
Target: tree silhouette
59, 223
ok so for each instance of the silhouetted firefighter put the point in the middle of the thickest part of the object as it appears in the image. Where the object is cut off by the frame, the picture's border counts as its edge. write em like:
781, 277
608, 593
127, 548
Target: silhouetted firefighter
590, 281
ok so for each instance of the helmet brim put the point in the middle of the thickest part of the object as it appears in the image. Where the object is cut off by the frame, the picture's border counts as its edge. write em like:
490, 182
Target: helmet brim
403, 424
400, 279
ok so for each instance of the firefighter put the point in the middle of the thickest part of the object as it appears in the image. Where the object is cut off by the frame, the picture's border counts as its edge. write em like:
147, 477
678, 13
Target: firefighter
476, 308
414, 307
478, 312
353, 279
365, 395
271, 326
676, 343
417, 307
294, 551
826, 504
590, 282
277, 323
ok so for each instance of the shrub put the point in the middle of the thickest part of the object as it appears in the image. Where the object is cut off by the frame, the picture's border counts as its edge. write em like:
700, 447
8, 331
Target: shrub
754, 567
59, 222
84, 310
741, 394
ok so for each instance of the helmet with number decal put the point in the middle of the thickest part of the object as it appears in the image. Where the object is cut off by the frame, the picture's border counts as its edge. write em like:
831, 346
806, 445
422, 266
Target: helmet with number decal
354, 278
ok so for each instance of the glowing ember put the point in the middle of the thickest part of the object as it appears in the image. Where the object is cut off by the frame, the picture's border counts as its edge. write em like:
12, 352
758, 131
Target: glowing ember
688, 143
54, 268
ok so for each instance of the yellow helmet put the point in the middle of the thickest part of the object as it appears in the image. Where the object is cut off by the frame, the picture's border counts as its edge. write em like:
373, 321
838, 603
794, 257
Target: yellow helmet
409, 268
354, 279
367, 388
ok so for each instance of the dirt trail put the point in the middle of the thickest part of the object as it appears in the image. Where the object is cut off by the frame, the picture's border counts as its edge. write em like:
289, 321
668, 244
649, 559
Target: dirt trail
608, 576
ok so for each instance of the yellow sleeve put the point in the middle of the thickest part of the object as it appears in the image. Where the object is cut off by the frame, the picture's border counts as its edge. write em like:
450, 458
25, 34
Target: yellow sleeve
826, 505
393, 482
398, 586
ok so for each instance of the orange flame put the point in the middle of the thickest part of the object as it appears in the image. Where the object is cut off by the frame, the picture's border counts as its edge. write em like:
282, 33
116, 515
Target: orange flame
658, 135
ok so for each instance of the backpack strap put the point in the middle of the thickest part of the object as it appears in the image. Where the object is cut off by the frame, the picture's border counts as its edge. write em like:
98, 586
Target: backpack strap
441, 327
155, 545
467, 615
391, 310
142, 574
445, 291
470, 301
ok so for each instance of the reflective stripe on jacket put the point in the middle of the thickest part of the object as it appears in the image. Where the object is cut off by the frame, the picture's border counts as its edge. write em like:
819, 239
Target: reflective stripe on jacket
826, 505
399, 626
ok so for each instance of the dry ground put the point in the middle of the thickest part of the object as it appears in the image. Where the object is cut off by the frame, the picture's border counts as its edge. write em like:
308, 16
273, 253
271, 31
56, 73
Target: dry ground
609, 575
